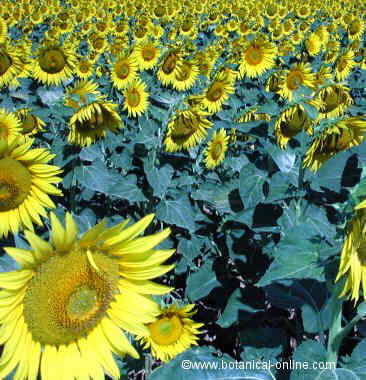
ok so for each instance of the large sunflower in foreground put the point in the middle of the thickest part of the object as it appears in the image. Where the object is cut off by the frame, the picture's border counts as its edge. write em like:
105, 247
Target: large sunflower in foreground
136, 98
216, 149
340, 135
258, 56
26, 181
68, 307
54, 63
353, 257
172, 333
187, 129
9, 124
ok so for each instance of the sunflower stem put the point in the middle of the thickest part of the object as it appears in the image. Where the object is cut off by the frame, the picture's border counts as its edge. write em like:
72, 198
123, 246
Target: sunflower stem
336, 332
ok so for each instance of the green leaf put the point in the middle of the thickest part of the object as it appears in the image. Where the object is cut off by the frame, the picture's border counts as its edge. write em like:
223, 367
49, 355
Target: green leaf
232, 310
127, 188
357, 361
251, 182
313, 355
159, 179
200, 364
177, 212
295, 257
200, 283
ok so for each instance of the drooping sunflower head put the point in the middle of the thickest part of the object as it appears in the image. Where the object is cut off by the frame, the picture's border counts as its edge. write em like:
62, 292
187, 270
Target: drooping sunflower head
172, 333
187, 129
54, 63
291, 122
136, 98
335, 100
81, 93
30, 124
353, 257
76, 297
92, 121
123, 71
257, 57
216, 149
340, 135
26, 181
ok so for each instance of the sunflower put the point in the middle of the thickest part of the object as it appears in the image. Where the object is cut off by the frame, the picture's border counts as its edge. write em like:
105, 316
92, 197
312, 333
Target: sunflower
257, 57
313, 44
3, 30
169, 67
216, 149
84, 68
54, 63
344, 65
342, 134
216, 94
353, 260
30, 124
356, 29
67, 309
172, 333
92, 121
186, 77
291, 122
186, 129
120, 28
331, 51
81, 93
123, 71
26, 181
300, 74
146, 55
9, 124
136, 98
323, 76
335, 100
252, 115
11, 64
323, 34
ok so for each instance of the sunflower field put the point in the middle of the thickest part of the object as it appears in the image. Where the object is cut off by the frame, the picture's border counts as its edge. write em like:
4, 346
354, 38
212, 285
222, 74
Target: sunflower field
182, 189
